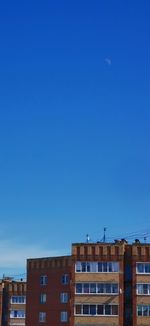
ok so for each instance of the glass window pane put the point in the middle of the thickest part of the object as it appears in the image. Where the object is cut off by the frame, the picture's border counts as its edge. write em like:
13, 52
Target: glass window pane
115, 267
105, 267
139, 310
88, 267
140, 268
110, 267
107, 309
114, 310
85, 309
92, 287
86, 288
100, 267
83, 267
100, 288
92, 309
100, 309
108, 288
78, 309
79, 288
145, 311
139, 288
114, 288
78, 266
145, 289
147, 268
93, 267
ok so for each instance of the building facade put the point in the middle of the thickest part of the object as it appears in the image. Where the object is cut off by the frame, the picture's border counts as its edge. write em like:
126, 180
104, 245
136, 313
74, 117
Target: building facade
106, 284
12, 302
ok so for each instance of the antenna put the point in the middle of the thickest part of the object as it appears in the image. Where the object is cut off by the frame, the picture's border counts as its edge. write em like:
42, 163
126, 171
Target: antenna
87, 238
104, 237
145, 238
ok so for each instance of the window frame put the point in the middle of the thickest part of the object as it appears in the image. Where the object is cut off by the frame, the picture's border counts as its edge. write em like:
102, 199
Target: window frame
87, 308
43, 280
144, 264
103, 286
42, 317
97, 267
64, 297
142, 286
65, 279
14, 314
42, 296
64, 316
12, 301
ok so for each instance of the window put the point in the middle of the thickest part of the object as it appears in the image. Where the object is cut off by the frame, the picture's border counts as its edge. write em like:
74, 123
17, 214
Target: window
143, 268
64, 316
96, 288
17, 314
43, 298
42, 317
43, 279
143, 310
18, 299
97, 267
65, 279
143, 289
64, 297
93, 309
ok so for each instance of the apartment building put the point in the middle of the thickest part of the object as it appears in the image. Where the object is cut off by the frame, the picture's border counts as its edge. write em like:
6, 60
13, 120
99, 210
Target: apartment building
13, 302
49, 291
106, 284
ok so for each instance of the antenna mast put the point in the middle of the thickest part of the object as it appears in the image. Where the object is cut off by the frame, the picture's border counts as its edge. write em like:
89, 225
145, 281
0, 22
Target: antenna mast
104, 237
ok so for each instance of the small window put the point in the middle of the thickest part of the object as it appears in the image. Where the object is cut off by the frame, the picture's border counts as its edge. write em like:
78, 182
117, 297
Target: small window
92, 287
107, 310
42, 317
64, 316
43, 298
78, 287
18, 299
139, 310
78, 309
114, 310
100, 309
43, 279
86, 288
64, 297
92, 309
65, 279
85, 309
17, 314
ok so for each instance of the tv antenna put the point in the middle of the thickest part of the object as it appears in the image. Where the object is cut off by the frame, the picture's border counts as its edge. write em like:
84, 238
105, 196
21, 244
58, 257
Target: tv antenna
87, 238
104, 236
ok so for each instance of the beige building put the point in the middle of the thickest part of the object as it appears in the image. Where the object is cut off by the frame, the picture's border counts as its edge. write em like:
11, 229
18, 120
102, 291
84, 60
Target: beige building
12, 302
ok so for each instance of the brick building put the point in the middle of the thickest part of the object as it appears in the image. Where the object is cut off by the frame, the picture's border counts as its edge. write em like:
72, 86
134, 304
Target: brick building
12, 302
106, 284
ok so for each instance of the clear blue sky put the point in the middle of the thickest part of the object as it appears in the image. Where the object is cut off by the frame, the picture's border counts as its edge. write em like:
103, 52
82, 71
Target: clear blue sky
74, 122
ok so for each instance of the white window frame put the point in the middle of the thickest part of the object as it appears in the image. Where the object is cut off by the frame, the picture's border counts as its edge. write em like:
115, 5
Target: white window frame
18, 299
21, 314
142, 309
93, 267
144, 265
142, 284
96, 306
104, 284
